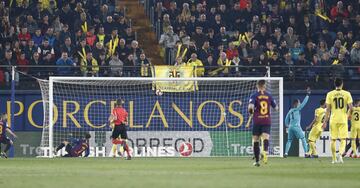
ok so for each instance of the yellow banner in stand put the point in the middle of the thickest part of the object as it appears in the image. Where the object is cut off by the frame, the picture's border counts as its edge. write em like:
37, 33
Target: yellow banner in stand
163, 71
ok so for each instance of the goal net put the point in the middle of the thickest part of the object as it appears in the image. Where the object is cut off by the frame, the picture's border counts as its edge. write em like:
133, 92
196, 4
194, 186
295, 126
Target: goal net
196, 117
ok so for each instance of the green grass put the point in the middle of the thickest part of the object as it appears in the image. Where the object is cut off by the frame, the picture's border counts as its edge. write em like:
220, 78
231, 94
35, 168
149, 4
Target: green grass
177, 172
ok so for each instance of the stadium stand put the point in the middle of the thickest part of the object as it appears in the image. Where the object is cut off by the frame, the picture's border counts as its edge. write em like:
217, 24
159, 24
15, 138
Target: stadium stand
300, 40
304, 41
67, 37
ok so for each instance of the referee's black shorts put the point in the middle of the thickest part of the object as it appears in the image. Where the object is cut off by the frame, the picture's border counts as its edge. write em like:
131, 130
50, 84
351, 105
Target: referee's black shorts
119, 130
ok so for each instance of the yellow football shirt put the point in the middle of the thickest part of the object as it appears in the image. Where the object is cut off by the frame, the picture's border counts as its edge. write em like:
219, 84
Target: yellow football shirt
355, 117
319, 115
339, 100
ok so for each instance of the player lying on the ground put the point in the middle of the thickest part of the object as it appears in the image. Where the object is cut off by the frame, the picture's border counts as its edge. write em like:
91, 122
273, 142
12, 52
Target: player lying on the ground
316, 128
76, 147
355, 127
3, 138
118, 122
259, 109
338, 109
292, 122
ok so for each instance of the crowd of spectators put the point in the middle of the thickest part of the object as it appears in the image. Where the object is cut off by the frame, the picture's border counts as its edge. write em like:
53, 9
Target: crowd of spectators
219, 37
68, 37
298, 35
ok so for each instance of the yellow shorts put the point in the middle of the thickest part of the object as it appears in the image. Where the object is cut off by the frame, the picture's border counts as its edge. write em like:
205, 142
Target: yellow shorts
338, 130
355, 132
315, 134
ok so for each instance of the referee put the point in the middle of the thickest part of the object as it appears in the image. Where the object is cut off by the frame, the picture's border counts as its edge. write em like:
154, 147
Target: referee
119, 118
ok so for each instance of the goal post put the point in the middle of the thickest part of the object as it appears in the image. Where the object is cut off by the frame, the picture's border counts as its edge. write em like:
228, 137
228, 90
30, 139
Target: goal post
199, 117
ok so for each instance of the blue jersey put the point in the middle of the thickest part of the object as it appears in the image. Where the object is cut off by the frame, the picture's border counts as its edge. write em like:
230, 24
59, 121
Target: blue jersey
262, 102
293, 117
79, 146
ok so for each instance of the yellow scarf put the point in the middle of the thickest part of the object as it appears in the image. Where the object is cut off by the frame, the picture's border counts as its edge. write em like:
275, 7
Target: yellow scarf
269, 53
112, 46
227, 62
179, 50
84, 27
322, 16
101, 38
144, 70
82, 54
244, 38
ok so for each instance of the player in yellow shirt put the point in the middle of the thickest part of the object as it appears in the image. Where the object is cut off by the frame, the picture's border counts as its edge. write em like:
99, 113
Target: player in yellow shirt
338, 102
316, 128
355, 127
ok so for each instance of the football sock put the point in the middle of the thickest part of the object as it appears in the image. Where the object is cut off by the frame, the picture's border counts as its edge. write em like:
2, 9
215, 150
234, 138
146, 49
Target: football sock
7, 147
312, 150
353, 146
113, 149
348, 146
305, 146
256, 151
333, 149
266, 145
60, 147
127, 149
342, 146
121, 149
288, 145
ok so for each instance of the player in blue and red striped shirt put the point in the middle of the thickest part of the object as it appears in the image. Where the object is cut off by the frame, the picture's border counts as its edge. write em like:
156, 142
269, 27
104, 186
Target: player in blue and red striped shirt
75, 147
259, 109
3, 138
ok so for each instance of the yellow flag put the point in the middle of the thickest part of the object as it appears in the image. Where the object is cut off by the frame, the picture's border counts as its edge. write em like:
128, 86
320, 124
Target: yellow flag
162, 71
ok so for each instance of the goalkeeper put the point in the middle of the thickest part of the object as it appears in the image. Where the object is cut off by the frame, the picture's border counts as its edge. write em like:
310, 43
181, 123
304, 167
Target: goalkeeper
75, 147
118, 121
292, 122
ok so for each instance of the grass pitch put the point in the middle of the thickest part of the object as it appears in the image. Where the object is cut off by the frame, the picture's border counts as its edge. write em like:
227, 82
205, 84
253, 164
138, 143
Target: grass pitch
177, 172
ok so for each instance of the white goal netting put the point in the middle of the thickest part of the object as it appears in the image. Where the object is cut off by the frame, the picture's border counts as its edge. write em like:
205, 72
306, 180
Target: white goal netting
207, 120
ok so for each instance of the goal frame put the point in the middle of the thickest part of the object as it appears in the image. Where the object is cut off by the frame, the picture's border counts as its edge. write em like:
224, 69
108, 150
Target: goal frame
53, 79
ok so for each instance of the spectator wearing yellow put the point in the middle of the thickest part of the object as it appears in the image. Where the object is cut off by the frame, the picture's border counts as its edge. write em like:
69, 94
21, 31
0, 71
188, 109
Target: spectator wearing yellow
224, 64
196, 64
82, 50
20, 3
89, 66
181, 50
337, 49
100, 37
83, 22
179, 62
112, 42
340, 60
45, 4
